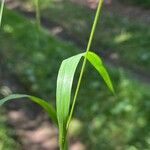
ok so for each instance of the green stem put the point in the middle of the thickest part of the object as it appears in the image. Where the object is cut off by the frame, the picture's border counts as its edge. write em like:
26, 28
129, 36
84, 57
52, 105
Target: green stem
66, 145
38, 16
1, 11
85, 59
38, 20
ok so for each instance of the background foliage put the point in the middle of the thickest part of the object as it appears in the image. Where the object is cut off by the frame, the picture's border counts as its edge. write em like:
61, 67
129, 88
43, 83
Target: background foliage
101, 120
144, 3
6, 135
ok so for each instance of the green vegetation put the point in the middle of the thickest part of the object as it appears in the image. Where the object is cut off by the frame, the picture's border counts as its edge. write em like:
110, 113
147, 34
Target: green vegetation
127, 39
116, 35
144, 3
115, 122
6, 140
20, 37
63, 114
105, 121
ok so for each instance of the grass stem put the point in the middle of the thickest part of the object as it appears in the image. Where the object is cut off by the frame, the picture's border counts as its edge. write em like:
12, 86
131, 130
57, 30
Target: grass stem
85, 59
38, 15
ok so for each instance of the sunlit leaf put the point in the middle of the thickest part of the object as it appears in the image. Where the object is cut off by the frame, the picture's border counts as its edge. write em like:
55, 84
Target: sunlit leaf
45, 105
96, 61
63, 92
1, 10
64, 86
38, 15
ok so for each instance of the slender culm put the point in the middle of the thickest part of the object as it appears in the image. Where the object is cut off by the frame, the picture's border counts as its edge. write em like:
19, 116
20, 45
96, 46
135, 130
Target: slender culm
38, 15
85, 59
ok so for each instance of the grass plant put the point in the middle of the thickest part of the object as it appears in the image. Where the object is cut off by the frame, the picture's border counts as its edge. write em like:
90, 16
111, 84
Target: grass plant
62, 115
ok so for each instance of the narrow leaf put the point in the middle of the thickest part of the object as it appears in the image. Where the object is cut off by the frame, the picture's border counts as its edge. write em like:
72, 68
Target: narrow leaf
97, 63
63, 92
46, 106
64, 87
1, 10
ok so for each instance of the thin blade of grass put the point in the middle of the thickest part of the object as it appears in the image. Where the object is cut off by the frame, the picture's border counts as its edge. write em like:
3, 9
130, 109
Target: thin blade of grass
46, 106
1, 11
97, 63
63, 93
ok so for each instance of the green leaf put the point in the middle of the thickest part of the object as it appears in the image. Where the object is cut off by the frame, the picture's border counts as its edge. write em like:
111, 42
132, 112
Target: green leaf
97, 63
46, 106
1, 10
63, 93
64, 87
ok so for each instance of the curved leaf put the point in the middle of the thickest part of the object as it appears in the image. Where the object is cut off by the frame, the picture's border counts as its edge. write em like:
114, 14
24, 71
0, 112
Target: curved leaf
96, 61
63, 92
64, 86
46, 106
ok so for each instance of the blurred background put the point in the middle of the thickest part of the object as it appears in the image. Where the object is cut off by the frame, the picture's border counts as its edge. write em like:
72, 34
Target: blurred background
30, 58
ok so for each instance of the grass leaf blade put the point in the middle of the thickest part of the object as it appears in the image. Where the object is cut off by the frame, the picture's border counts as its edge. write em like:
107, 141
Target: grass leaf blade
64, 87
63, 92
46, 106
97, 63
